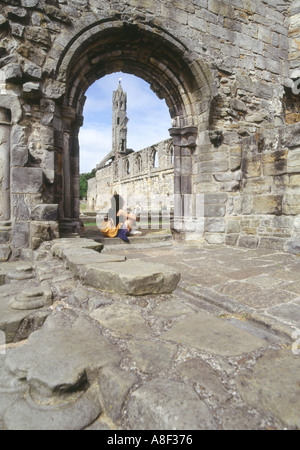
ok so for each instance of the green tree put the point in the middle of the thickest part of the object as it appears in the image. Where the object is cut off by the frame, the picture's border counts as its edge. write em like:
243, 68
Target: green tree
83, 183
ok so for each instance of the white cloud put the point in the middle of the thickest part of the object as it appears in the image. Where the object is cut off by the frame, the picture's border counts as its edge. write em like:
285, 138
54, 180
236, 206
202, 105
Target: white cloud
149, 118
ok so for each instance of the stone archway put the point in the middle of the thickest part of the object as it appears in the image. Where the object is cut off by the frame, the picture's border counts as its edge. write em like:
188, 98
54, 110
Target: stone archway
173, 74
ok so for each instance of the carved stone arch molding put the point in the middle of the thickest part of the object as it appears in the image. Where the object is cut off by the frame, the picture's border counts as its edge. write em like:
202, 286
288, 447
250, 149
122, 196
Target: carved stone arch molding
149, 52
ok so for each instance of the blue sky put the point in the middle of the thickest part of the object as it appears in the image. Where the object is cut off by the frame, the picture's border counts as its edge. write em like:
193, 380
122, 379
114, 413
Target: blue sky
149, 118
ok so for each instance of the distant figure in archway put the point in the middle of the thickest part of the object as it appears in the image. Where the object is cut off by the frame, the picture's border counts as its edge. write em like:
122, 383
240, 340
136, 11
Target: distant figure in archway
121, 230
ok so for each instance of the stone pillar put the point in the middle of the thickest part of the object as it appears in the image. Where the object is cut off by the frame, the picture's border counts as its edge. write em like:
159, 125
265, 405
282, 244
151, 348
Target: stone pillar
5, 128
70, 222
69, 115
75, 166
184, 142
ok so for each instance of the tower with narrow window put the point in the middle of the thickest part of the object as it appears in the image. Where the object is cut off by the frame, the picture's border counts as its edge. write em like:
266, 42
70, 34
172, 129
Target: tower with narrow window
119, 122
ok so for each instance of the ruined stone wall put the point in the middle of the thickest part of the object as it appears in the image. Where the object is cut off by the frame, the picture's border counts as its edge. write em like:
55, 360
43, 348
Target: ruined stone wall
145, 177
225, 71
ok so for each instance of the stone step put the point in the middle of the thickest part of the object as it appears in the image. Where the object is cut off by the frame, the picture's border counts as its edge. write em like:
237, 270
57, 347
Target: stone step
113, 273
150, 240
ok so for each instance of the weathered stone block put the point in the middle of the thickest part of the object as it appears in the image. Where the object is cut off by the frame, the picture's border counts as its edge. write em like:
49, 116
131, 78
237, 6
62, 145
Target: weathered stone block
294, 180
231, 239
248, 241
20, 208
217, 199
41, 231
26, 180
251, 167
293, 161
290, 136
13, 73
258, 186
267, 204
53, 89
45, 212
275, 163
4, 235
17, 13
214, 238
292, 246
233, 226
20, 234
269, 392
131, 277
5, 252
17, 29
19, 151
282, 222
271, 242
235, 162
297, 224
57, 14
38, 35
214, 210
213, 166
115, 385
32, 70
157, 403
77, 259
291, 204
32, 53
246, 204
215, 225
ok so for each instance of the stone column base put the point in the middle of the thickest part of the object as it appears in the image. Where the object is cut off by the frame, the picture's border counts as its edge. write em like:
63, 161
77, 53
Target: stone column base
70, 228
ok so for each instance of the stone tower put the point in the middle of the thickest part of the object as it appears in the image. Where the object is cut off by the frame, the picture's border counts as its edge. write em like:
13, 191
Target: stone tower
119, 122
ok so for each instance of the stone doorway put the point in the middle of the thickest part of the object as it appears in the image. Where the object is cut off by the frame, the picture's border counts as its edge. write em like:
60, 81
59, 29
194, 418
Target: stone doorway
172, 74
41, 123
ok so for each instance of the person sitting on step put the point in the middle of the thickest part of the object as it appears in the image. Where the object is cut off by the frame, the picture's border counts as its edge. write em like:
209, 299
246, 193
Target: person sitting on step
108, 228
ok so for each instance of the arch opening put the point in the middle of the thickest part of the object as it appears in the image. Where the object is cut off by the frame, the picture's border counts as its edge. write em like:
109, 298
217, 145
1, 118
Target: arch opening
147, 54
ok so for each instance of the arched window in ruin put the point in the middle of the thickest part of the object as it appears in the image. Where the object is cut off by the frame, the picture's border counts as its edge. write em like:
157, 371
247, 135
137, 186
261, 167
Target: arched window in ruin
138, 163
127, 167
154, 159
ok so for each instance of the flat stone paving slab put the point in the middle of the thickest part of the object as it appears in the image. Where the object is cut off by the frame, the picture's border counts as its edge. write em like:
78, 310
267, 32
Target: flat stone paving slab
122, 320
274, 385
168, 405
213, 335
